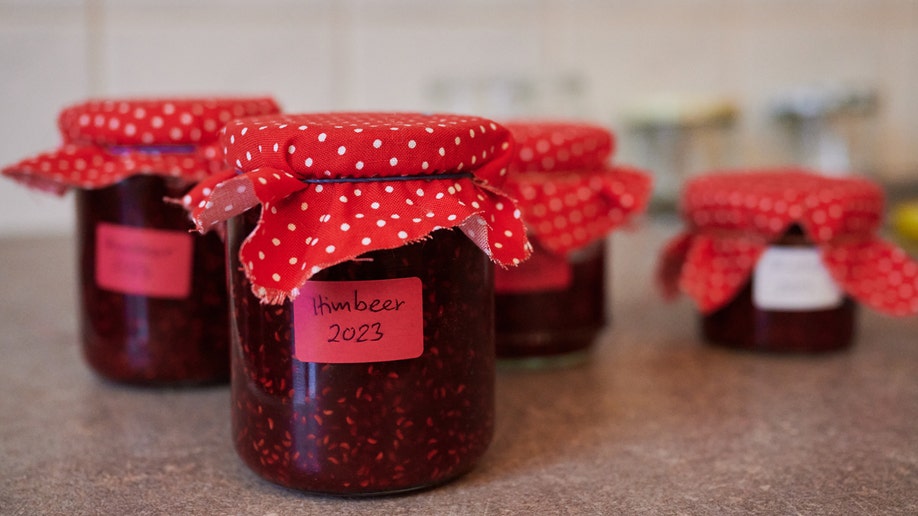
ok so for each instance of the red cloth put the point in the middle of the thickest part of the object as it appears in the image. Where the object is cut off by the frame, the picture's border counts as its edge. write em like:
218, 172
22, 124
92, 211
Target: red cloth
455, 165
733, 217
559, 145
569, 196
107, 140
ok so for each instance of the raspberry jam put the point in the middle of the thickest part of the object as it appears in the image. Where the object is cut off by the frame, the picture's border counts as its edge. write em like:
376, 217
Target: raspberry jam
367, 427
153, 295
540, 320
827, 323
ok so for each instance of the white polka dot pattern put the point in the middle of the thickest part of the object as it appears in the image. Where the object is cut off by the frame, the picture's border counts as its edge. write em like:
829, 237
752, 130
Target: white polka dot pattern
568, 195
108, 140
556, 145
733, 217
332, 186
766, 203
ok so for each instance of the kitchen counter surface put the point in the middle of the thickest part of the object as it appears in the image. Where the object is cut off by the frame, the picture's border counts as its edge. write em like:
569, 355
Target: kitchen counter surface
656, 423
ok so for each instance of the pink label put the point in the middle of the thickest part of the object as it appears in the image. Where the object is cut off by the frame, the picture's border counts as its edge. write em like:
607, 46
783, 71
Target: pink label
146, 262
347, 322
542, 271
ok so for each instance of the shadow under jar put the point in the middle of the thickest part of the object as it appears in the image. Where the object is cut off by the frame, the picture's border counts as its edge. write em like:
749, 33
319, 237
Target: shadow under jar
551, 309
827, 322
153, 295
366, 427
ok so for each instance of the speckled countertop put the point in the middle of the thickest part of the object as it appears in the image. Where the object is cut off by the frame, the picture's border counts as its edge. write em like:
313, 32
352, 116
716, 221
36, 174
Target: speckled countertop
656, 423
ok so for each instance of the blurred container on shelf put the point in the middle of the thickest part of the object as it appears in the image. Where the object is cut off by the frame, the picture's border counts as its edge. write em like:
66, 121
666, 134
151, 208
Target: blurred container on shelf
677, 137
511, 95
830, 128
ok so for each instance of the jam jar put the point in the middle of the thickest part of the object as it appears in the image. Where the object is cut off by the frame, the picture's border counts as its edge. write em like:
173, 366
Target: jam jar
791, 303
571, 200
360, 249
778, 260
153, 295
569, 296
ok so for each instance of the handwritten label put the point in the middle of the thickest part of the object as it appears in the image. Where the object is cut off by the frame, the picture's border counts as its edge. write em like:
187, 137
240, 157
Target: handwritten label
141, 261
794, 279
541, 272
347, 322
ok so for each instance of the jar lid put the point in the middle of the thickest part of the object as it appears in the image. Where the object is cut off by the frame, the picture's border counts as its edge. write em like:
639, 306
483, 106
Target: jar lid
336, 185
557, 145
734, 217
569, 196
767, 202
107, 140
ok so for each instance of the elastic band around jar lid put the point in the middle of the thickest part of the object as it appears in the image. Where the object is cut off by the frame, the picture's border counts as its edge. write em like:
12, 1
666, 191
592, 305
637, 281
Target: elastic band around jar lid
385, 179
120, 150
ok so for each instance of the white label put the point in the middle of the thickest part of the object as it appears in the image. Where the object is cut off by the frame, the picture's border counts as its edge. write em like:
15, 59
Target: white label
793, 279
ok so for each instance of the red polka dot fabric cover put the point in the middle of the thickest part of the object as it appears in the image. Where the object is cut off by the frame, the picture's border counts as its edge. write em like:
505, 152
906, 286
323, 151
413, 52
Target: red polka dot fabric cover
107, 140
336, 185
733, 217
568, 194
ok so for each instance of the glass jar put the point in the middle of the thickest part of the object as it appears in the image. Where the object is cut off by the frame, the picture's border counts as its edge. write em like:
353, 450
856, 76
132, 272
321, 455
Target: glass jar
153, 295
790, 304
351, 422
359, 249
777, 259
551, 309
568, 294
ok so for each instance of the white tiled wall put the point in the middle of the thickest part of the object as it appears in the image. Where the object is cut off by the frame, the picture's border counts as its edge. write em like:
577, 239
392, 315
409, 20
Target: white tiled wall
590, 58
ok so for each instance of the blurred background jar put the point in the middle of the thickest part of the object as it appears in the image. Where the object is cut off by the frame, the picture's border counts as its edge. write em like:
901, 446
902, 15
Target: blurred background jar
775, 259
152, 295
551, 309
